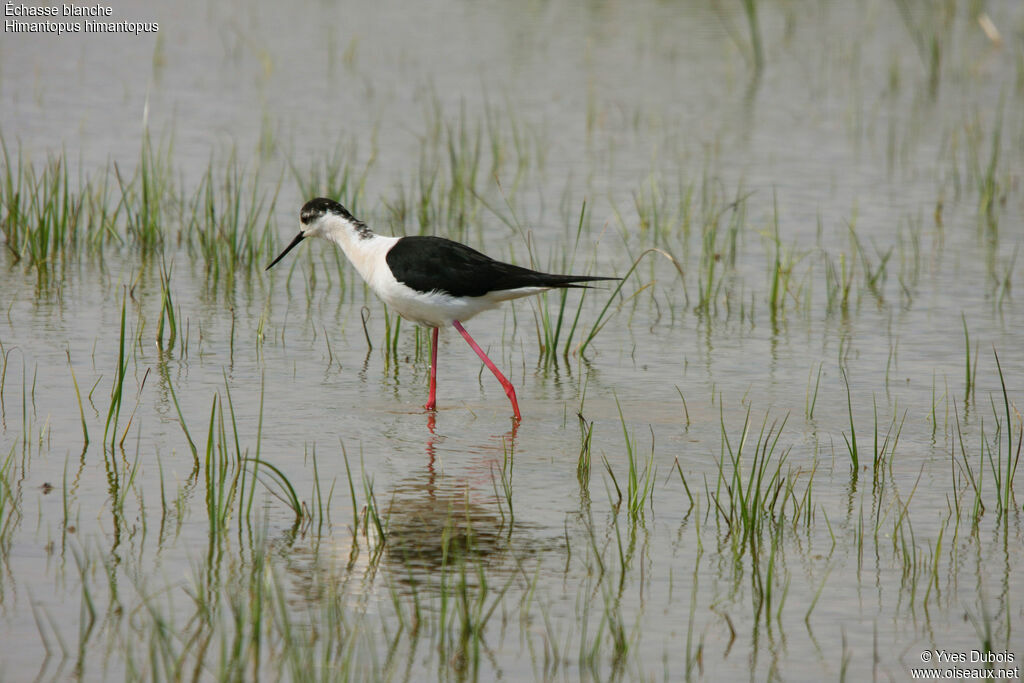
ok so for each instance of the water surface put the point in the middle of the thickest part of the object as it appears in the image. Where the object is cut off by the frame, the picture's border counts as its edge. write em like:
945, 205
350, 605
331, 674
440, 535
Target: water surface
845, 160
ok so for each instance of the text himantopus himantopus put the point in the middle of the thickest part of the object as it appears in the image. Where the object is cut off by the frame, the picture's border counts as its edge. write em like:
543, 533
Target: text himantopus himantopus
431, 281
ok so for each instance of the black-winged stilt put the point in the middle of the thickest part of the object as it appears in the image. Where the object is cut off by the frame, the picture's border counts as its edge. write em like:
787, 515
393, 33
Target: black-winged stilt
431, 281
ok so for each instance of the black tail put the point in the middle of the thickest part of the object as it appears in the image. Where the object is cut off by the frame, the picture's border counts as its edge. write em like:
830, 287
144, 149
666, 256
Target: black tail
567, 281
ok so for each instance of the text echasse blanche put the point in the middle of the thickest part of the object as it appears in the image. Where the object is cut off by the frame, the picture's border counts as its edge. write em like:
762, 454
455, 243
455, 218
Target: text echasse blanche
65, 10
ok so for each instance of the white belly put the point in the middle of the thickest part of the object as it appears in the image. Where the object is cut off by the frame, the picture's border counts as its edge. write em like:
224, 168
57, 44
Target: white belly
437, 309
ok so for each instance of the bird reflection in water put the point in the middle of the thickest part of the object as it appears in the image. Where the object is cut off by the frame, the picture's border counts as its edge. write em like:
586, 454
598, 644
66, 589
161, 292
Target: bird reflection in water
437, 520
437, 529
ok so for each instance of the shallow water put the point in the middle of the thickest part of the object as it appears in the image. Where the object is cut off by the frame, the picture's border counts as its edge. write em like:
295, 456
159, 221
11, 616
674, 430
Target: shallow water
842, 137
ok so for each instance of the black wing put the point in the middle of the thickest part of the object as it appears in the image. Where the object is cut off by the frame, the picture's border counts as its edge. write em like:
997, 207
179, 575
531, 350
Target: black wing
426, 264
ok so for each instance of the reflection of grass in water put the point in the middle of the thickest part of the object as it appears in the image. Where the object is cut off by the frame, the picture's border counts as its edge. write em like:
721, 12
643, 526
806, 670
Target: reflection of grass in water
440, 579
51, 220
10, 513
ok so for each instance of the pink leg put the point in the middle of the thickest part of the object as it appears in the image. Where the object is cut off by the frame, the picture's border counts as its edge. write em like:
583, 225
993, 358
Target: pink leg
509, 389
432, 398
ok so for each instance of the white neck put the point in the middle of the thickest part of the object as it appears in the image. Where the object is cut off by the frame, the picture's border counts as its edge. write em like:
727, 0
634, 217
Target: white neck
363, 248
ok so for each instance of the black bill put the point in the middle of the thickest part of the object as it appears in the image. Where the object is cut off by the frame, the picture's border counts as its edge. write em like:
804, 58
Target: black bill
298, 238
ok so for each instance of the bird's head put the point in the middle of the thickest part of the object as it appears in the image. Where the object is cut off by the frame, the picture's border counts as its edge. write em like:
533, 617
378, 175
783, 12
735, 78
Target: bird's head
322, 217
